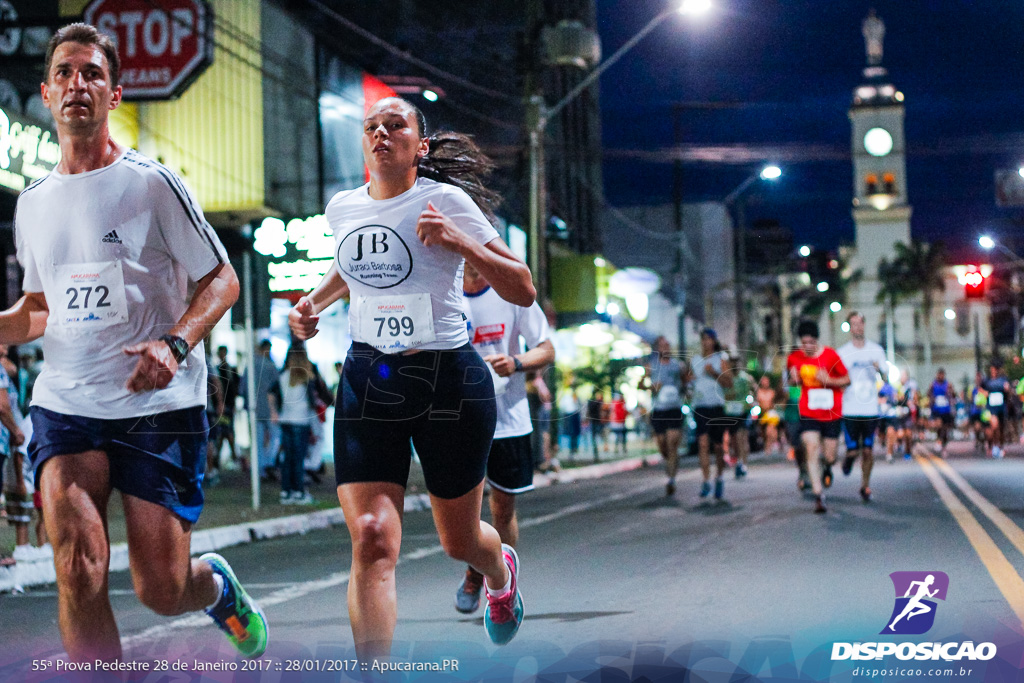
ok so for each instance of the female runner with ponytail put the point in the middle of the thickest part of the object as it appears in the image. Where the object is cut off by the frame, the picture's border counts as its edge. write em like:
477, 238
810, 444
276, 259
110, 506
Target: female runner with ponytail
411, 373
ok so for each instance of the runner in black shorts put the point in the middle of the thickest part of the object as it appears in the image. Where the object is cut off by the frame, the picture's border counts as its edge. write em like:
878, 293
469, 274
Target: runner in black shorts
664, 376
400, 244
821, 374
710, 374
496, 328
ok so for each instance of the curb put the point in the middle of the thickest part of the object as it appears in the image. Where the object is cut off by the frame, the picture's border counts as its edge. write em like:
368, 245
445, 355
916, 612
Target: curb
41, 572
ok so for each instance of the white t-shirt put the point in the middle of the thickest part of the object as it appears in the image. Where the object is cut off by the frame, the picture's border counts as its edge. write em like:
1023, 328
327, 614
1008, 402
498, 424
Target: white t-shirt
707, 391
116, 252
295, 409
860, 399
392, 276
495, 326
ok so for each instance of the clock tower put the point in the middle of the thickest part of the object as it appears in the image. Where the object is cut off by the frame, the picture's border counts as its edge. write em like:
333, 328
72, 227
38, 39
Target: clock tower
881, 214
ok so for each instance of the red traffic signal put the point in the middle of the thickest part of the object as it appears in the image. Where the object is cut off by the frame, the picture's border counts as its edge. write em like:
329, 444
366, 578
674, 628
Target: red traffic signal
974, 285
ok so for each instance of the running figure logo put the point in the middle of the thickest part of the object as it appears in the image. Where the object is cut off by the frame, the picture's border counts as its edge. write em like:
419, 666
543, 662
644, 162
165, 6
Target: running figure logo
914, 612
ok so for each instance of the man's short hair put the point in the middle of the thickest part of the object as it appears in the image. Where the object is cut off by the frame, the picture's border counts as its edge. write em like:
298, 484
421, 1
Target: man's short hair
854, 314
265, 345
808, 328
86, 34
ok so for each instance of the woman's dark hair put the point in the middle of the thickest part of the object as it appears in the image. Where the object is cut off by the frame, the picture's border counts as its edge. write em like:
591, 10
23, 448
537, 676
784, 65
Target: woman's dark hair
455, 159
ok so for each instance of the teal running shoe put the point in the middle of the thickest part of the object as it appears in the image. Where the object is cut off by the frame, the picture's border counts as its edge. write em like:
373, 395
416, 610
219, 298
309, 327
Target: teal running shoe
236, 613
503, 616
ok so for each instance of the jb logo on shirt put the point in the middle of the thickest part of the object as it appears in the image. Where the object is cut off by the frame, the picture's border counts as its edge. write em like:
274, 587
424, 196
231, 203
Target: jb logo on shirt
375, 256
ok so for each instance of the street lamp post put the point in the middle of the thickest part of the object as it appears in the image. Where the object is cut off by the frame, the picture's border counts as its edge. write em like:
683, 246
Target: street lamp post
737, 200
540, 115
987, 243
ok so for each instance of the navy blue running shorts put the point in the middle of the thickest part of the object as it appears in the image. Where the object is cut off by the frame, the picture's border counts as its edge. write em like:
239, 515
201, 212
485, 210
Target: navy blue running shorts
859, 432
443, 401
158, 458
510, 464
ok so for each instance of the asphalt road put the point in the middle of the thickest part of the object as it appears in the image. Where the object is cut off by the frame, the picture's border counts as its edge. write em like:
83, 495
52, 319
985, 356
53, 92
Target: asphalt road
617, 577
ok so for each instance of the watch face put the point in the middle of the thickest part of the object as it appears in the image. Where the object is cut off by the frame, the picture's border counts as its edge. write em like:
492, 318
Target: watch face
878, 142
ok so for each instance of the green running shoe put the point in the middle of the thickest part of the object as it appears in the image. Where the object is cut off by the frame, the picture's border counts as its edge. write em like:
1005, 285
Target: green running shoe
236, 613
503, 616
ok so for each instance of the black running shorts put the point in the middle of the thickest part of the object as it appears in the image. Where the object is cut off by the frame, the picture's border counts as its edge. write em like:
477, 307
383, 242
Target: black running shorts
664, 420
711, 420
443, 401
510, 465
829, 429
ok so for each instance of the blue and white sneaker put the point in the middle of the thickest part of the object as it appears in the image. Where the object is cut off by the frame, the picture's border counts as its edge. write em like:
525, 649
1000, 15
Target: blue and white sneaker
719, 489
705, 489
467, 597
503, 616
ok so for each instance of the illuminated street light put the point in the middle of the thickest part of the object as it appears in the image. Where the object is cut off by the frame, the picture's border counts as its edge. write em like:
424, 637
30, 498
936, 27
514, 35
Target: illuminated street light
613, 308
845, 326
986, 242
835, 306
541, 116
805, 251
950, 314
694, 7
822, 286
430, 96
736, 200
1020, 171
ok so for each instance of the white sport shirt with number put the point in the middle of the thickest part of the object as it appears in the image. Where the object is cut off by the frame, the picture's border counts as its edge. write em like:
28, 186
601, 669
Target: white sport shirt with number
116, 252
404, 295
860, 398
496, 326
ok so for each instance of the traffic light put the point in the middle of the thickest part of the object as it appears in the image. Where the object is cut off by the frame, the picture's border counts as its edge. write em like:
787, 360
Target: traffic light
974, 285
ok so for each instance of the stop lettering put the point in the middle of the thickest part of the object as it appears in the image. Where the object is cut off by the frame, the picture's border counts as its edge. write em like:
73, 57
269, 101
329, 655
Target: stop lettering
163, 46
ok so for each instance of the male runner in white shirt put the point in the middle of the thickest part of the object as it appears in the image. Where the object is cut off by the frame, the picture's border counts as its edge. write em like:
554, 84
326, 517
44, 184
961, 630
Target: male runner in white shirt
864, 360
123, 280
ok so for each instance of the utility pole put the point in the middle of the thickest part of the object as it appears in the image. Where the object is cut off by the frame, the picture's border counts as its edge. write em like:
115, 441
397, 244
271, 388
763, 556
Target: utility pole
680, 280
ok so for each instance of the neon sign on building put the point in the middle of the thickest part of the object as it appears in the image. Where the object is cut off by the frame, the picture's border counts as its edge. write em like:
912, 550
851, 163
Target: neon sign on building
27, 152
303, 249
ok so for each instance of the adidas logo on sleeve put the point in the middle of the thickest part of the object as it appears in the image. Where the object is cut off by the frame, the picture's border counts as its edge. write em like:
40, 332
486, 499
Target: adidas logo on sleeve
111, 238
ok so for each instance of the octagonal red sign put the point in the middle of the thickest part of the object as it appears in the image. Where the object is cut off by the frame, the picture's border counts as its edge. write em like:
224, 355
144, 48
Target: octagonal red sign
164, 45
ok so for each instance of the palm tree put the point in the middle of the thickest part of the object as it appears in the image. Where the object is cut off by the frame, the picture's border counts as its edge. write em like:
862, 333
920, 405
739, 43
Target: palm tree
916, 270
923, 265
893, 288
809, 302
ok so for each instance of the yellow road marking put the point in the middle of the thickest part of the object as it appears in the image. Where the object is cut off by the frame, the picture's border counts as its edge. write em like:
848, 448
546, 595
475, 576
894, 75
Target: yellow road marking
1012, 532
1005, 576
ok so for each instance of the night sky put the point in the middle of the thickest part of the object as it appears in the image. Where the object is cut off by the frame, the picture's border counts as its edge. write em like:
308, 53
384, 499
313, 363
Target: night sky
788, 69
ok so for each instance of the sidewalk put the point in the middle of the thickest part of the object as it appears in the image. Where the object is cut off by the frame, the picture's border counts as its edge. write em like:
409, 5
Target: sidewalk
228, 518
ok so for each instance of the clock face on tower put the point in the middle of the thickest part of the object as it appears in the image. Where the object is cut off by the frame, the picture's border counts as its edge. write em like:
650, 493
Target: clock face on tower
877, 142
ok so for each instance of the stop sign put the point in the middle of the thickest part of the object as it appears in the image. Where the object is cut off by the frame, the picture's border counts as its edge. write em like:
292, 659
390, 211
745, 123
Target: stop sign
164, 45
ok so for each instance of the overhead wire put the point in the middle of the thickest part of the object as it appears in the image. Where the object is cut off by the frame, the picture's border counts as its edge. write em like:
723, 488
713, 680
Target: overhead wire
407, 57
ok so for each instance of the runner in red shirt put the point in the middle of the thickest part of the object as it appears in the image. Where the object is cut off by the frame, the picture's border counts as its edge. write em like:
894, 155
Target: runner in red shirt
820, 373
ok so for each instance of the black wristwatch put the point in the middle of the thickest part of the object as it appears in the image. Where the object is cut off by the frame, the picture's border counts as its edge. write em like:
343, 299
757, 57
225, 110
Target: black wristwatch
518, 364
179, 347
